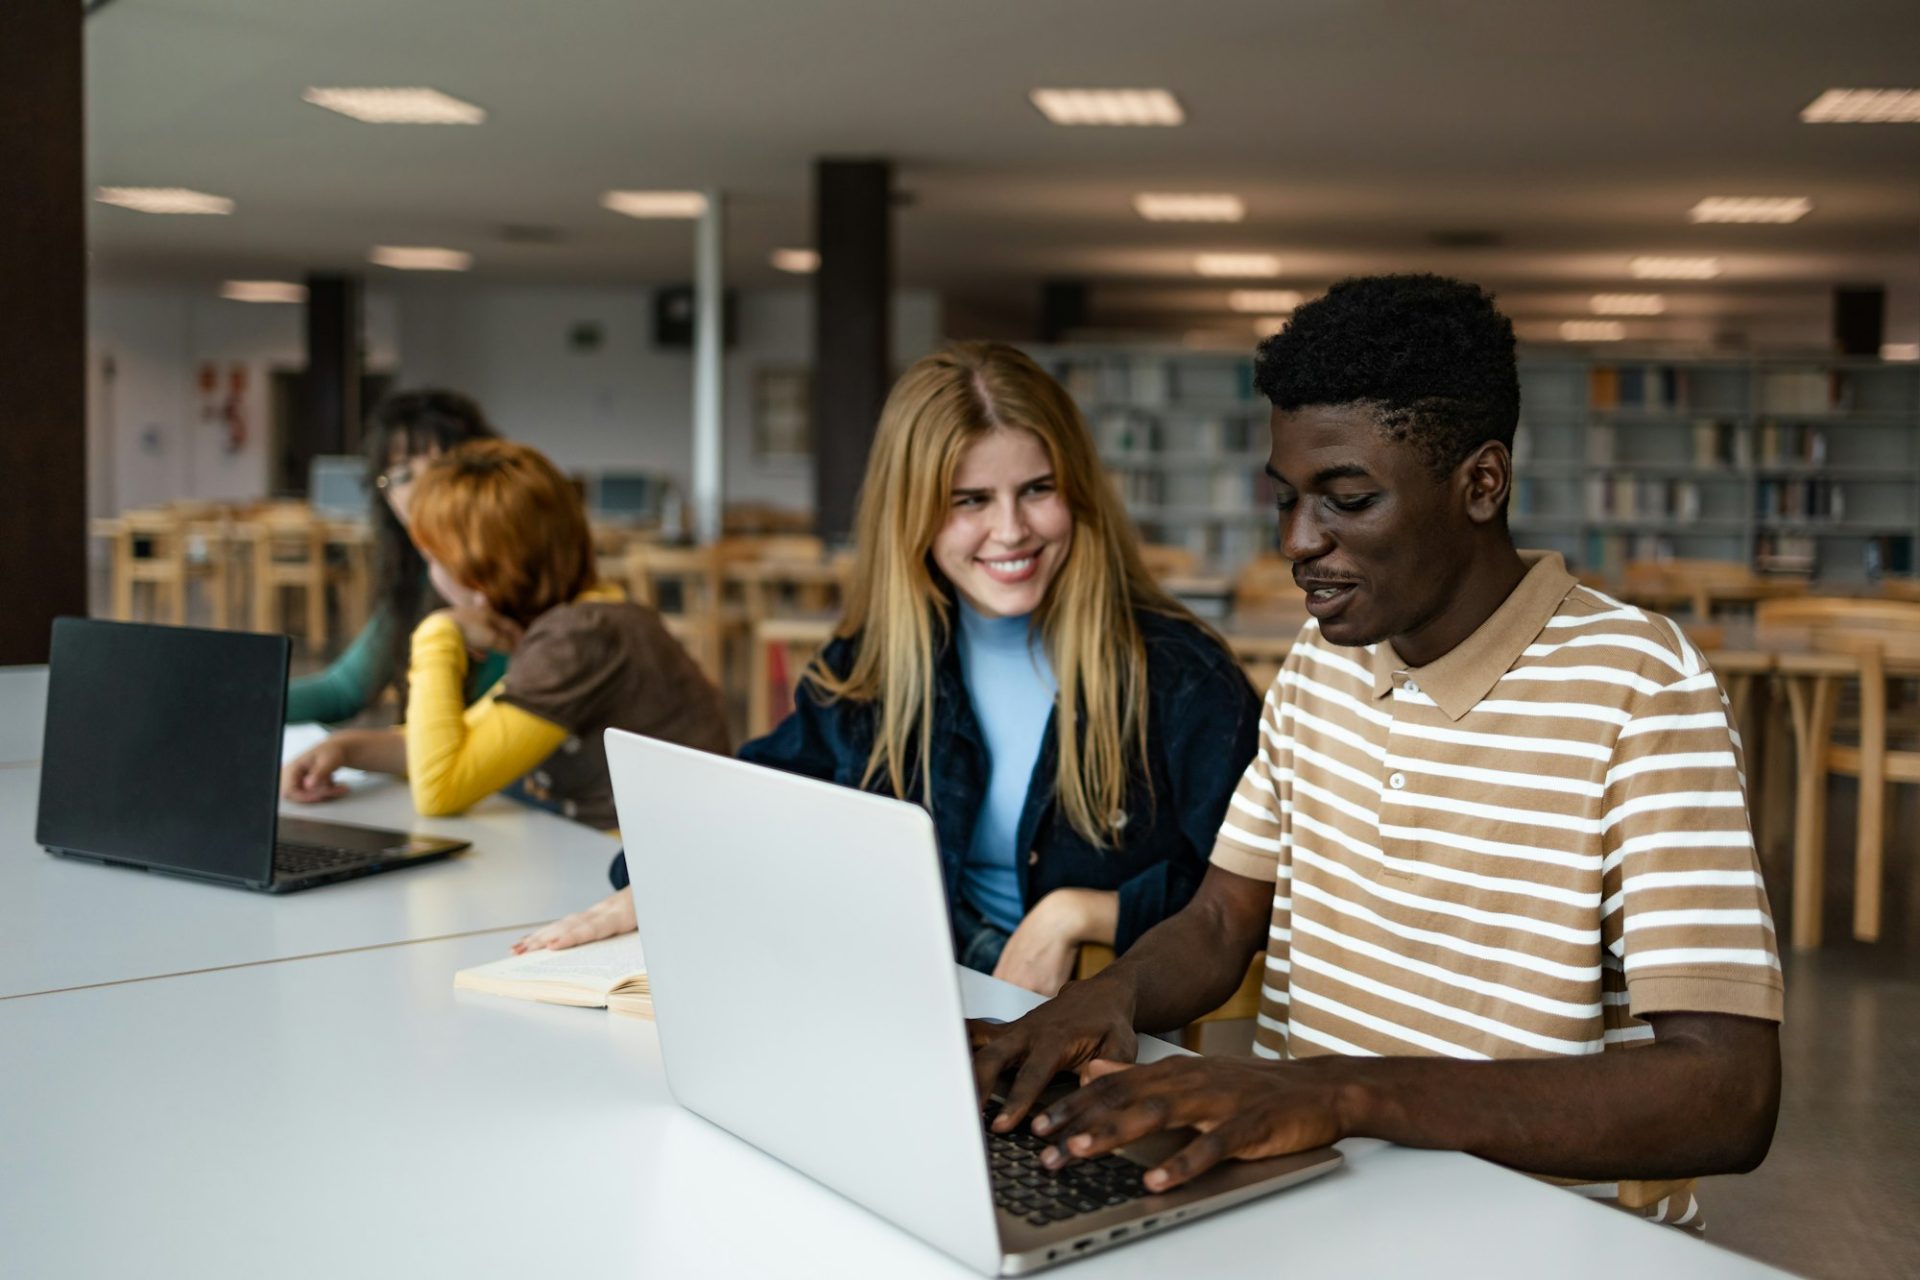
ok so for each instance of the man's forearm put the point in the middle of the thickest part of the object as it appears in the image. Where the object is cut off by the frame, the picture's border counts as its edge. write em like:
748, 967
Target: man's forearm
1191, 962
1680, 1107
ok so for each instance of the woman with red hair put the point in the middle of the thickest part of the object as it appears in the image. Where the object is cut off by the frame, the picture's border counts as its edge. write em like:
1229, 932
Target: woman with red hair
507, 546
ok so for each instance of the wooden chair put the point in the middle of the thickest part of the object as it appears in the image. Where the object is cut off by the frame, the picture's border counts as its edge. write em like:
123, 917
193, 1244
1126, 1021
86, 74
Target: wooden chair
287, 551
1242, 1004
782, 647
1900, 588
1265, 584
1839, 641
157, 548
687, 585
1165, 562
1699, 585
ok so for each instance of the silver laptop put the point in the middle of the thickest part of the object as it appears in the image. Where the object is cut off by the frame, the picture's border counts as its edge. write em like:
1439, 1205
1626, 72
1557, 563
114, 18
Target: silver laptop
807, 1000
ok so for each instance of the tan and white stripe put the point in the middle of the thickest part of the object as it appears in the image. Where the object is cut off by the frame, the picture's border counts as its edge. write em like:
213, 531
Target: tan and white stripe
1531, 875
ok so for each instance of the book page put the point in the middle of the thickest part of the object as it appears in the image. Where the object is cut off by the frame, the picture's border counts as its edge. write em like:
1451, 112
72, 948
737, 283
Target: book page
598, 967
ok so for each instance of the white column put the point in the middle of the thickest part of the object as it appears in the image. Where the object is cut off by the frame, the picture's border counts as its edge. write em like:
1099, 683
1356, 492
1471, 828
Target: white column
709, 444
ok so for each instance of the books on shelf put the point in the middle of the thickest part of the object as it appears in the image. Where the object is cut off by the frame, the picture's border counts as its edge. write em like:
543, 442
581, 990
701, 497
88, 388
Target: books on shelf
1642, 387
1813, 499
1786, 554
610, 974
1720, 444
1601, 441
1792, 445
1624, 497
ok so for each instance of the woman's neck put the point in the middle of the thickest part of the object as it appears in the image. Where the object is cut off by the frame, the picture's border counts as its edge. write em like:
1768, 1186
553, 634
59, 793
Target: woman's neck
994, 631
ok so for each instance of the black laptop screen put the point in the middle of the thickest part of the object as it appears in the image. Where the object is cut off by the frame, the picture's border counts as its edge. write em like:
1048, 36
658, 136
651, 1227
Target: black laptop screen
163, 746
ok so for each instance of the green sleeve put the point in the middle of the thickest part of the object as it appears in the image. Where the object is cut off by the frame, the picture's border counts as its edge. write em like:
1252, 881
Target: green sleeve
485, 674
355, 679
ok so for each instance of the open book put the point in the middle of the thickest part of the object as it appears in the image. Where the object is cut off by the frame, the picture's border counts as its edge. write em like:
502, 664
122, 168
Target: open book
609, 974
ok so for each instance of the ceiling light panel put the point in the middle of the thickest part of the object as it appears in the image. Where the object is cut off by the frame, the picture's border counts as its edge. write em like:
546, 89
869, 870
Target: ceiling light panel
1118, 107
1175, 207
397, 106
655, 204
1276, 301
800, 262
1593, 331
1629, 304
163, 200
419, 258
263, 291
1864, 106
1900, 351
1751, 209
1245, 266
1656, 268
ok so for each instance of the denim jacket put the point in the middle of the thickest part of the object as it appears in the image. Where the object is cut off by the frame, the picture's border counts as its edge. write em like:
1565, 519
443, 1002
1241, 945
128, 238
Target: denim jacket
1202, 726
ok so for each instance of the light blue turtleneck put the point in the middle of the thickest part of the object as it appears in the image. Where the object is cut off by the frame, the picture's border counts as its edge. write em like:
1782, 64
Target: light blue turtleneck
1011, 686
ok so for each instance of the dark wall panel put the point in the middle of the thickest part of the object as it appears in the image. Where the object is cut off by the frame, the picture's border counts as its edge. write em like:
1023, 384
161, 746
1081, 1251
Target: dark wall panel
43, 326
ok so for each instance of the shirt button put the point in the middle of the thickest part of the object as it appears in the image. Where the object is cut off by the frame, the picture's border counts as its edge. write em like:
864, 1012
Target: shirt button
1412, 687
1397, 781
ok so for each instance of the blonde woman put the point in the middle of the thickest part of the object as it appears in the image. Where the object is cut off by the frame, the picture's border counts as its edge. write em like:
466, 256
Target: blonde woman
1006, 661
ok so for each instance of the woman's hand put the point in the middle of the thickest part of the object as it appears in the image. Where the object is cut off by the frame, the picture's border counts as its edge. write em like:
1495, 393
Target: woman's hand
1041, 953
483, 630
611, 915
308, 777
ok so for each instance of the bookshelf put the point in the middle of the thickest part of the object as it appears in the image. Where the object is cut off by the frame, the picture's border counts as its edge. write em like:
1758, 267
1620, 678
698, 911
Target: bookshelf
1797, 465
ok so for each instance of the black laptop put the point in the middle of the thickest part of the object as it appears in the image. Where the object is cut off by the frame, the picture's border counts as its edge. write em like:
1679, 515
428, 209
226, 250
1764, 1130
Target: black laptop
162, 753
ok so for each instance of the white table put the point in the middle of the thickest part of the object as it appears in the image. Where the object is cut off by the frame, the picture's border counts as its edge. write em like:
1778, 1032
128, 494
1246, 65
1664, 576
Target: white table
352, 1114
23, 709
66, 923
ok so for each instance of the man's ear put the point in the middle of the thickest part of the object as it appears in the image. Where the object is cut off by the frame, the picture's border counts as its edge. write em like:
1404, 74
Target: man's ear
1486, 479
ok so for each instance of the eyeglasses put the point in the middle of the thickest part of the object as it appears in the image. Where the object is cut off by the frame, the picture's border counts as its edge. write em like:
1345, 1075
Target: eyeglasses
394, 477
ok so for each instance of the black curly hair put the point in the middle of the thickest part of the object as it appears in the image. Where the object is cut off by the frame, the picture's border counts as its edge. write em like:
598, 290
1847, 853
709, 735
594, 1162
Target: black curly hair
1430, 355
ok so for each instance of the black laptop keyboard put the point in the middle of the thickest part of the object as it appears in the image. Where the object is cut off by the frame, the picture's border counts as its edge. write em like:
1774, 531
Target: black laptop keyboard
1028, 1189
313, 859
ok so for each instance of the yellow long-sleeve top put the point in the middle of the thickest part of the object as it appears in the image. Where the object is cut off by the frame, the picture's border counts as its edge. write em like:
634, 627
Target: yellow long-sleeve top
456, 754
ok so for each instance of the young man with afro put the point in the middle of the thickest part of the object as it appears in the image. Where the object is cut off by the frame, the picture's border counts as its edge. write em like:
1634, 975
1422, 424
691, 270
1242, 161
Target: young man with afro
1494, 844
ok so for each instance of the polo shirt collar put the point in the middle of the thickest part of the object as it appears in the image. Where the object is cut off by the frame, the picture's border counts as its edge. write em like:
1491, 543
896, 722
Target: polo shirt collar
1461, 677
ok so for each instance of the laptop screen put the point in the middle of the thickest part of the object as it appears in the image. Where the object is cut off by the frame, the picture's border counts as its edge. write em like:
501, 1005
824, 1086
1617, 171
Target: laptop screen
163, 746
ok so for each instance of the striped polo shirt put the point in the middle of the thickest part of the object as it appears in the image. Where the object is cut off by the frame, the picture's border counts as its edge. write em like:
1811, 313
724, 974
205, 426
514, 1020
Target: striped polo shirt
1519, 850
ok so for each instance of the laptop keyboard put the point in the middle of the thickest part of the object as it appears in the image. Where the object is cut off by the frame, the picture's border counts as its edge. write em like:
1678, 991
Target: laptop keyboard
1026, 1188
310, 859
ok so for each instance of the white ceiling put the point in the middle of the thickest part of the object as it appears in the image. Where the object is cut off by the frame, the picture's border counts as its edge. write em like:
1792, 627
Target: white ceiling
1354, 129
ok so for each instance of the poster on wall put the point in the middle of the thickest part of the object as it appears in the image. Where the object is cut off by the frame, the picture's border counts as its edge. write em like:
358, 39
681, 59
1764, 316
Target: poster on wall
783, 415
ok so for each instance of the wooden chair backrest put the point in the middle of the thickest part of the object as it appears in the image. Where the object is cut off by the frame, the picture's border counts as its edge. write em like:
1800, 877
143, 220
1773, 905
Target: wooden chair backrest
696, 570
1168, 562
1264, 582
1830, 613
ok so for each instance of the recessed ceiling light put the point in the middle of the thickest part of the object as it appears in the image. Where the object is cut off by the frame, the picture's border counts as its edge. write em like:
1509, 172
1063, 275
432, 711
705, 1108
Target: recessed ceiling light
1900, 351
655, 204
1864, 106
1266, 326
1241, 265
263, 291
1593, 331
1173, 207
419, 258
801, 262
1751, 209
1271, 300
163, 200
1109, 106
1674, 268
397, 106
1629, 304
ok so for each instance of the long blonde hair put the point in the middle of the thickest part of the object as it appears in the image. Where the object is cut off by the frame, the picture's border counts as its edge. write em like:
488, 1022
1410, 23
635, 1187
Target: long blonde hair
900, 612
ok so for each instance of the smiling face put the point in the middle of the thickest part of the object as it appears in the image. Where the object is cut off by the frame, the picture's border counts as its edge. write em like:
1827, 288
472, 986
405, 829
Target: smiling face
1008, 529
1380, 545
